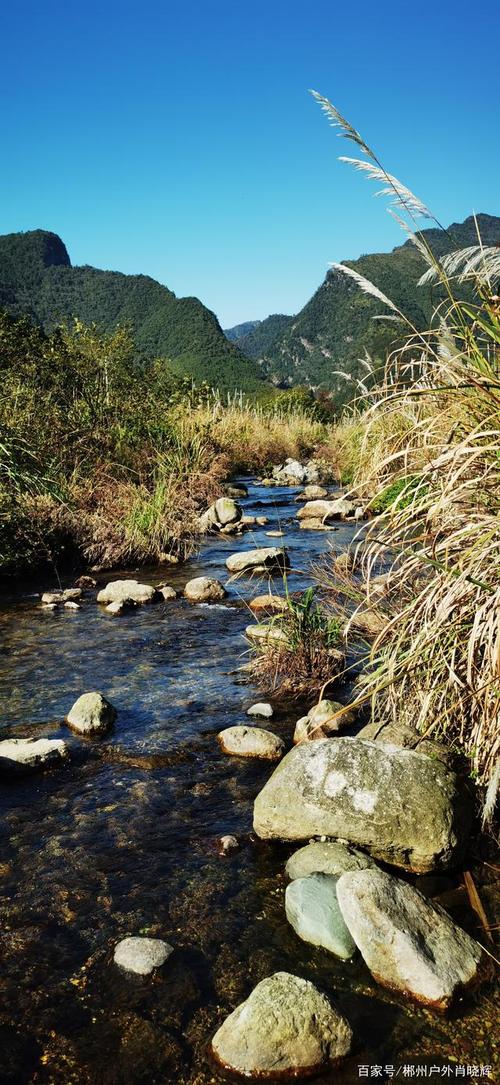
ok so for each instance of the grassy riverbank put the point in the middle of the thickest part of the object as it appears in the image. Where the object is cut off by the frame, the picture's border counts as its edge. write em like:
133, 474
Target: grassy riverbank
105, 460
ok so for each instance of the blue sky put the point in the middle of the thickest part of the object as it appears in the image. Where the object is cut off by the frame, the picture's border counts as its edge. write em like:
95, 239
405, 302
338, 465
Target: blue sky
179, 140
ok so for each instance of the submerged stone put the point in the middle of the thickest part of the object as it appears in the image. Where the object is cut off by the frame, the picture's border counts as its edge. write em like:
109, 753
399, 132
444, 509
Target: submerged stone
141, 955
285, 1027
251, 742
313, 911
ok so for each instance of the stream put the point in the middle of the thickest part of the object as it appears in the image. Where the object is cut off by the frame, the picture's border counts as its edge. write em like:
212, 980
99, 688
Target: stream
123, 840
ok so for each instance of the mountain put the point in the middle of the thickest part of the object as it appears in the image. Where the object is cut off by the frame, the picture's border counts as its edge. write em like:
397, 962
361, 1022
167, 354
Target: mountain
336, 327
38, 280
240, 330
259, 340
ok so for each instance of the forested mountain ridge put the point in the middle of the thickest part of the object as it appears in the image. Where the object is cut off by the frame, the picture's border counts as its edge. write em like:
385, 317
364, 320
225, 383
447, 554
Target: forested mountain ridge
260, 335
335, 328
38, 280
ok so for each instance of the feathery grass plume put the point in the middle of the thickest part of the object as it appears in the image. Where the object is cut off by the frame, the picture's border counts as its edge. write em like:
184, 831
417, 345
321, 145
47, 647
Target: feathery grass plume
365, 285
481, 263
338, 121
400, 195
425, 452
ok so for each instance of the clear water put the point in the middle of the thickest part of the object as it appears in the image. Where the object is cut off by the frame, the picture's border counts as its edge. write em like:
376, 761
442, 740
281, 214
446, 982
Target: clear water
123, 840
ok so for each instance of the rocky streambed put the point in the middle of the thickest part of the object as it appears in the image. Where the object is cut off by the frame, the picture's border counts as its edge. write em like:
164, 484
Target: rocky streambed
146, 832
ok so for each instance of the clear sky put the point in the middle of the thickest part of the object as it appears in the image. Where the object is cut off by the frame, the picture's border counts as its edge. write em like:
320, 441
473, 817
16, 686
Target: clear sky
179, 140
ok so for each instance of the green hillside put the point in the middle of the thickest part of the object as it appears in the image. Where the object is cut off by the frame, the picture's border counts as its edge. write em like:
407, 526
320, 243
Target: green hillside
240, 330
259, 340
37, 279
336, 327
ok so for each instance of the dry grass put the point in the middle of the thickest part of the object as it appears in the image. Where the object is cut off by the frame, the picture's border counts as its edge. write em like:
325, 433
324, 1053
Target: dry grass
429, 447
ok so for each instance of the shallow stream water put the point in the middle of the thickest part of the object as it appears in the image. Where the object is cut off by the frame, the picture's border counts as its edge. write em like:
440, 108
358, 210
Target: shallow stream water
123, 840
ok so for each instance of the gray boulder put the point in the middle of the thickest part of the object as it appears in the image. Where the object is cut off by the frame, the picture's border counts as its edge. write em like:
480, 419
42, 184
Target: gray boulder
313, 911
203, 589
291, 473
63, 595
285, 1027
128, 592
236, 489
400, 805
326, 857
91, 714
266, 558
251, 742
141, 955
23, 755
409, 944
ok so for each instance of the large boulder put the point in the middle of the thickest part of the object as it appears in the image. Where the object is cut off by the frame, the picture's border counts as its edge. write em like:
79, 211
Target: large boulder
267, 558
400, 805
23, 755
326, 857
203, 589
91, 714
141, 955
128, 592
313, 911
322, 720
286, 1027
251, 742
409, 944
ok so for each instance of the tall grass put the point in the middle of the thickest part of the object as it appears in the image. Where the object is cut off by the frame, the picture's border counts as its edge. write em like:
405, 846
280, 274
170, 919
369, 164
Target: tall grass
428, 446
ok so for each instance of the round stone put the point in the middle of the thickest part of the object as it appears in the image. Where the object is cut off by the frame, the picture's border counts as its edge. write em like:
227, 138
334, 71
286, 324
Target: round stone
141, 955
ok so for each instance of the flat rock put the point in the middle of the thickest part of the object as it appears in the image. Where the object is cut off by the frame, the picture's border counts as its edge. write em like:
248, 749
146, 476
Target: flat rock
128, 592
313, 911
251, 742
204, 589
262, 708
265, 634
267, 557
312, 493
400, 805
409, 944
91, 714
236, 489
268, 602
141, 955
322, 720
285, 1027
24, 755
327, 510
326, 857
62, 595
